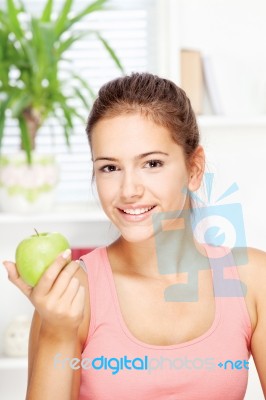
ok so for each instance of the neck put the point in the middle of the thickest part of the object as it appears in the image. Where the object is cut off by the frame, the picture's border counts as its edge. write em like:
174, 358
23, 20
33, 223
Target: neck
171, 250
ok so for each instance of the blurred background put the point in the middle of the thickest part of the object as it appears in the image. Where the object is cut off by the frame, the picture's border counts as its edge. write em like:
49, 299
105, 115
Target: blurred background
215, 50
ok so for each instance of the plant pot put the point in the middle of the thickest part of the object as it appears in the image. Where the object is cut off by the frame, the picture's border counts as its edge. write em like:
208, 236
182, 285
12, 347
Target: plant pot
27, 188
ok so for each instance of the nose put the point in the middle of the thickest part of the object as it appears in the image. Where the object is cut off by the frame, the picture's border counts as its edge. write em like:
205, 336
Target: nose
131, 185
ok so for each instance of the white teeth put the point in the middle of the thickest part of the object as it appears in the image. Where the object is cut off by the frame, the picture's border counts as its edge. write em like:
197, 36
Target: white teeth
137, 211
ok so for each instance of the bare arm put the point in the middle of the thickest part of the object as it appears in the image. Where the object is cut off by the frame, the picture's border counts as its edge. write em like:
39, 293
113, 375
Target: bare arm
58, 331
51, 375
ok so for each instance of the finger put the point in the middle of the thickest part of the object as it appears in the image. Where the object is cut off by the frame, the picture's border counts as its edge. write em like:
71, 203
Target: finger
71, 291
78, 303
50, 275
15, 278
64, 279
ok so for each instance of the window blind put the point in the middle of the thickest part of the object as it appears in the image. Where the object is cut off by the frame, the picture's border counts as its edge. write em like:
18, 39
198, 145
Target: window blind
127, 26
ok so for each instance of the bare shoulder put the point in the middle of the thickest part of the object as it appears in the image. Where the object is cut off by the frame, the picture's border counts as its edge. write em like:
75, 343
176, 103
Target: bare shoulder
258, 257
251, 264
257, 272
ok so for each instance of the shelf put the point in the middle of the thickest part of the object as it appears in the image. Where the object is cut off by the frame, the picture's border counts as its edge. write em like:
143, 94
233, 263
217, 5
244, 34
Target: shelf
13, 363
70, 213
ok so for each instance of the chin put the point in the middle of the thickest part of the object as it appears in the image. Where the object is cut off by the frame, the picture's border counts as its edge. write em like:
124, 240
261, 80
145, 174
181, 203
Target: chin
137, 234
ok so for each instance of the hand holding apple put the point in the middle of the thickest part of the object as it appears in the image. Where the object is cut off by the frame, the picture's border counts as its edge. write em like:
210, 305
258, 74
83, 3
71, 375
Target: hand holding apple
59, 298
36, 253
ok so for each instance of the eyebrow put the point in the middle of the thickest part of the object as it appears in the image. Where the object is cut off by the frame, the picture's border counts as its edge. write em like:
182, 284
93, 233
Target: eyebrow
139, 157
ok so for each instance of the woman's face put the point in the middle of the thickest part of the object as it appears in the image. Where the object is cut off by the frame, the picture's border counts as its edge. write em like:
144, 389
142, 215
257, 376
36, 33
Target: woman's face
139, 171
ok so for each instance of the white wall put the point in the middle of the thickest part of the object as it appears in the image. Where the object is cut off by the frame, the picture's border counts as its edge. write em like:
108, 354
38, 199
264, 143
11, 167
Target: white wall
232, 33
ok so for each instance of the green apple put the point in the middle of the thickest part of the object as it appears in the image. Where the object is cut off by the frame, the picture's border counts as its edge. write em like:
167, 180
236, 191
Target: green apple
36, 253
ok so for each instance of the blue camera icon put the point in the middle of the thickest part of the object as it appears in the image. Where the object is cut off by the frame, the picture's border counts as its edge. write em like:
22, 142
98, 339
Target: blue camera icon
218, 226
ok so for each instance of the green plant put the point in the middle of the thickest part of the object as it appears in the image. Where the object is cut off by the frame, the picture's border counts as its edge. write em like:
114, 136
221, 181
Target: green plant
32, 86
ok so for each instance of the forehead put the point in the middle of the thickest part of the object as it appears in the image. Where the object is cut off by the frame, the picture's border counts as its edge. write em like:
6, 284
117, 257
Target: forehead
130, 133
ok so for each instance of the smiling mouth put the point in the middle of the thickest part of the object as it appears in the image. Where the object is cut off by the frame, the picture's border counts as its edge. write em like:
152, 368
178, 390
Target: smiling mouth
137, 211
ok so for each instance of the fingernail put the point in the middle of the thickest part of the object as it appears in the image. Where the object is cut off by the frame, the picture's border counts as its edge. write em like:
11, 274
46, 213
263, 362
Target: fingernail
66, 254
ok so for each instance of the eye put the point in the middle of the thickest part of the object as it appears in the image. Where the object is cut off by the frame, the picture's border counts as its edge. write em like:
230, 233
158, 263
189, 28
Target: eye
154, 164
108, 168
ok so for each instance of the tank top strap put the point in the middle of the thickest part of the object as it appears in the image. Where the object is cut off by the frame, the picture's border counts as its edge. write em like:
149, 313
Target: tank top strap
102, 308
228, 286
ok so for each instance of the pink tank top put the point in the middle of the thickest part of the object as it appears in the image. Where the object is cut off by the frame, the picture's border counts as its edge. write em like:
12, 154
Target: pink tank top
118, 366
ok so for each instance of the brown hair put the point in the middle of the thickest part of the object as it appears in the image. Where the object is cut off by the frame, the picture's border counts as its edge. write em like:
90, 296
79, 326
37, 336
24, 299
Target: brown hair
154, 97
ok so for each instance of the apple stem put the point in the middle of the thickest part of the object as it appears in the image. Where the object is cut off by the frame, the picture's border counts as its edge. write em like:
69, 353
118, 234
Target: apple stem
36, 232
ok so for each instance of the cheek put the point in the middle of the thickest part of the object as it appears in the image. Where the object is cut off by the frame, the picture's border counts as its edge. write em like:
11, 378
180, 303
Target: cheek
106, 189
174, 195
175, 182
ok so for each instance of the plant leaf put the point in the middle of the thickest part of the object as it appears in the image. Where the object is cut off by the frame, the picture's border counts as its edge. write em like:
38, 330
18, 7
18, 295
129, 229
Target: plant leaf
3, 107
20, 104
111, 52
36, 52
14, 22
86, 85
97, 5
47, 41
62, 19
30, 53
25, 138
47, 11
68, 123
63, 46
82, 98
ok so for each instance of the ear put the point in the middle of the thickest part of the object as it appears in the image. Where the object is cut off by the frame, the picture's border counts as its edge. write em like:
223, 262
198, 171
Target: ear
196, 169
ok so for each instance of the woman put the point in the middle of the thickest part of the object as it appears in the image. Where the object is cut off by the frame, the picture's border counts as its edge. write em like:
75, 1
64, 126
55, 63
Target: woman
147, 320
